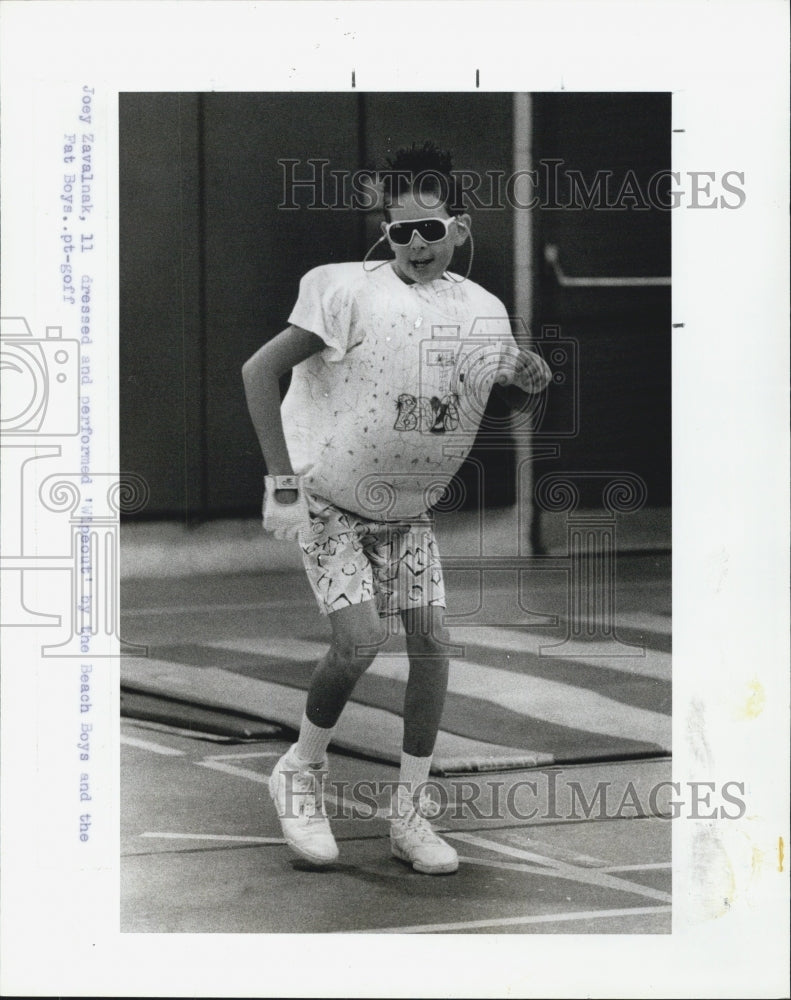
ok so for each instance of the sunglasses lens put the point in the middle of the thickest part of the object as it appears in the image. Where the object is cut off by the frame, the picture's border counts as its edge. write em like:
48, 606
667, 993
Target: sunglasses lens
401, 233
430, 230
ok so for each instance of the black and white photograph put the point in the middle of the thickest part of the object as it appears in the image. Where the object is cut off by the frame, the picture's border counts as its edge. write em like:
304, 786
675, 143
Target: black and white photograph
467, 613
395, 499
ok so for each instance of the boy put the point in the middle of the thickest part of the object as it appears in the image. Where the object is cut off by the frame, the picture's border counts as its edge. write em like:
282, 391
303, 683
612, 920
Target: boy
355, 459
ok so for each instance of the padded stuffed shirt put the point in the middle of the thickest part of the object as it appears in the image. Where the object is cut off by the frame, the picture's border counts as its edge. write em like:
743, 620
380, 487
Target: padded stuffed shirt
380, 420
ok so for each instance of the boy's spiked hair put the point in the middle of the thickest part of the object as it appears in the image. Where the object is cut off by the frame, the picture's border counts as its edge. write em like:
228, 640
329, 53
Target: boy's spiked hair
425, 170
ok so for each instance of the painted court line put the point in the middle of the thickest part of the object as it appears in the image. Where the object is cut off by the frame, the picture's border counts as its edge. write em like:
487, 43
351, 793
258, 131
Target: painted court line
164, 727
214, 836
656, 866
238, 772
220, 763
522, 838
508, 866
133, 741
542, 918
537, 697
516, 866
558, 869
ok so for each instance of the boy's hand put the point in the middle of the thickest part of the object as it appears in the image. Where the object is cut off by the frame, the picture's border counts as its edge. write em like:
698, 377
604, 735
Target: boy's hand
285, 510
524, 369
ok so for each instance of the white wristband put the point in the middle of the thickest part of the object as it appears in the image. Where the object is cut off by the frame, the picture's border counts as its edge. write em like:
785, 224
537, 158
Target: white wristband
285, 520
282, 482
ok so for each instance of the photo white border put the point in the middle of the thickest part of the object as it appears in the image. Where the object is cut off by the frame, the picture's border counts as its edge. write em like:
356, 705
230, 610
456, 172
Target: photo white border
726, 65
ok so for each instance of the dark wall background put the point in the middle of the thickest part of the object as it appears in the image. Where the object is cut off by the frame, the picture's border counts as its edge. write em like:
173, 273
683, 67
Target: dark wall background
210, 268
161, 329
622, 334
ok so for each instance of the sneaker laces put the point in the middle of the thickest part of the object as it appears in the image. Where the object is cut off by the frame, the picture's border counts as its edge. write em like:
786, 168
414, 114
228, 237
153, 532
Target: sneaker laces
307, 792
415, 820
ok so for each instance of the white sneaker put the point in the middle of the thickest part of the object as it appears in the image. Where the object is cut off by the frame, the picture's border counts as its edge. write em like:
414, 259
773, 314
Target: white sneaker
412, 839
296, 790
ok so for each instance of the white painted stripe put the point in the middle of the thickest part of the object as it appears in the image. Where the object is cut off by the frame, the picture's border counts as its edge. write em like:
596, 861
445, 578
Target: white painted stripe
537, 697
238, 772
558, 869
653, 664
132, 741
163, 727
231, 838
509, 866
517, 867
536, 918
345, 807
521, 838
220, 762
656, 866
500, 847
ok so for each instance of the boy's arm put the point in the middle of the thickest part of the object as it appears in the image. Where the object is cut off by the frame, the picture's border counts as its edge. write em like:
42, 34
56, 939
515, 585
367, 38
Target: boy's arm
285, 511
261, 374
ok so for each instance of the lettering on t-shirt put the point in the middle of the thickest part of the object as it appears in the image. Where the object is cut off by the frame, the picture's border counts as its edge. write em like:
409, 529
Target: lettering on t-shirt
434, 415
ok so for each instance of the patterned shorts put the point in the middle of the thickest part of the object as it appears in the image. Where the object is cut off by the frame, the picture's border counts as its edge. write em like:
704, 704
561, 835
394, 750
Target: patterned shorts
350, 560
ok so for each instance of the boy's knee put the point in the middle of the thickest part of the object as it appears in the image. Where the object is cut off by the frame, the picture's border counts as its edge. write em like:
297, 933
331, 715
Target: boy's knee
354, 651
430, 645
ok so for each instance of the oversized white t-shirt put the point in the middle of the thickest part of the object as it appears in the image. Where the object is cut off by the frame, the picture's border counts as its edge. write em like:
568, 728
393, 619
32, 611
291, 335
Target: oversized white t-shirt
380, 420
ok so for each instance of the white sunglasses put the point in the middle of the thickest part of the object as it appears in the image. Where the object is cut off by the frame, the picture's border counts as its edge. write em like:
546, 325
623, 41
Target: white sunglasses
430, 230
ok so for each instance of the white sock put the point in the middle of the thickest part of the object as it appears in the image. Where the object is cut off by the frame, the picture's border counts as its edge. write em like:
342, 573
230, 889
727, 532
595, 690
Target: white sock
312, 743
414, 773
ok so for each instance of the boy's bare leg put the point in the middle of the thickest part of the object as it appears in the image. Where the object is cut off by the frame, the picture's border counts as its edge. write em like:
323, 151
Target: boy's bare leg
412, 839
426, 644
295, 784
356, 631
